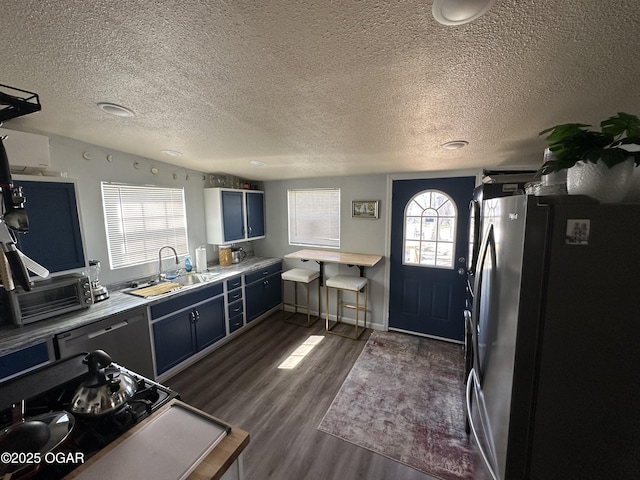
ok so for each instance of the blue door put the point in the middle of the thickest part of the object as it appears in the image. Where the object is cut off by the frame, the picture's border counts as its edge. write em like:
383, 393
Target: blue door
174, 340
429, 244
255, 214
209, 317
232, 216
54, 239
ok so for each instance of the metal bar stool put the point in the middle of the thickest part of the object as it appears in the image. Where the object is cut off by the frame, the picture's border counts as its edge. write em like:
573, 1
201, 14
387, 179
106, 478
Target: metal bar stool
353, 284
305, 277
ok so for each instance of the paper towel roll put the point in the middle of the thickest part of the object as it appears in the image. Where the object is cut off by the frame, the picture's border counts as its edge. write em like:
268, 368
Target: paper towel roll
201, 259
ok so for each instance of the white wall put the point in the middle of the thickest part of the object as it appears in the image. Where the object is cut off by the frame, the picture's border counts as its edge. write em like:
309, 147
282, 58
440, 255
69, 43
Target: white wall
356, 235
67, 158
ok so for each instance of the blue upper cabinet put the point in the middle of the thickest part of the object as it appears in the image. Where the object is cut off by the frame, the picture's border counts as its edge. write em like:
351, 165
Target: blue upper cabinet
255, 214
233, 215
54, 239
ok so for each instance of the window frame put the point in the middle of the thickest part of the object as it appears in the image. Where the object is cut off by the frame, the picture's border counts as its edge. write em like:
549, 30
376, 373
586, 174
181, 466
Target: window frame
142, 246
453, 243
298, 239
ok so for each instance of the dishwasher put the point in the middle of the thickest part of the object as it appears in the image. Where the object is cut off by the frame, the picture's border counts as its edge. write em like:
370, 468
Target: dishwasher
125, 337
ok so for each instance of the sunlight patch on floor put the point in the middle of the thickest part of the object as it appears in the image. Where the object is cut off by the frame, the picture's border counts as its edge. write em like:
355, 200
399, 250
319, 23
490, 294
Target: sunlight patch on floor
299, 353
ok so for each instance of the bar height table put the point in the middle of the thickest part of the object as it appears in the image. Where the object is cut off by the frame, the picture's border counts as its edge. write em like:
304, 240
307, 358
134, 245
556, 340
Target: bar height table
360, 260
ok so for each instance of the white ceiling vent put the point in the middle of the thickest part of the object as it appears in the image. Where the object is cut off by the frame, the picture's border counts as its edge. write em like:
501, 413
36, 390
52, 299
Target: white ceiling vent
27, 152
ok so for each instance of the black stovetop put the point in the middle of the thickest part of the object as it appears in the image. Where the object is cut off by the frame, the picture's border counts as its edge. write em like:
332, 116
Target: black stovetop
50, 389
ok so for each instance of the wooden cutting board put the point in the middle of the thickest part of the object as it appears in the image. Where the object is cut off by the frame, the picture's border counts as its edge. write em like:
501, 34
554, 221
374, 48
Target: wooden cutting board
154, 290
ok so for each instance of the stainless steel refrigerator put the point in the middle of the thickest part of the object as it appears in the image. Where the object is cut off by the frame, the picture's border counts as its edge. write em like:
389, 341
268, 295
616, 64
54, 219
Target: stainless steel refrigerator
554, 392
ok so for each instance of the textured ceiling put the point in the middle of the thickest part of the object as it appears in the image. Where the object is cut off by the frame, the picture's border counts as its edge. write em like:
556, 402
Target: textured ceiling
320, 88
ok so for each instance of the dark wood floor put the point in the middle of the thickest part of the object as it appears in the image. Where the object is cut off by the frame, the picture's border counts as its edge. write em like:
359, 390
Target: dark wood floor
281, 409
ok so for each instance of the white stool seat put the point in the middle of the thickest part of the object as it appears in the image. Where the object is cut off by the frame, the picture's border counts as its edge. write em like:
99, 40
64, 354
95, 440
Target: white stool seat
300, 275
347, 282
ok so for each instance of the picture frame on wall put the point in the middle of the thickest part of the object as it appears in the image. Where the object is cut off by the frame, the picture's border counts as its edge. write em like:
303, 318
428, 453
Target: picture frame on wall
365, 208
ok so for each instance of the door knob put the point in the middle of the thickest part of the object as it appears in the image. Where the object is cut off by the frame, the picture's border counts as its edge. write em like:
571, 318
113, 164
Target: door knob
462, 271
462, 260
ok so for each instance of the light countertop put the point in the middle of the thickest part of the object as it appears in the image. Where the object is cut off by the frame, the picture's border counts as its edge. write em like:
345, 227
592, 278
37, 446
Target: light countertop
334, 256
13, 338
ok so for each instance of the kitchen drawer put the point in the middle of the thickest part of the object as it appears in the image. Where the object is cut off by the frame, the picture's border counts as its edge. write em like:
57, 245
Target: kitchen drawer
236, 322
235, 308
233, 283
187, 300
234, 296
262, 273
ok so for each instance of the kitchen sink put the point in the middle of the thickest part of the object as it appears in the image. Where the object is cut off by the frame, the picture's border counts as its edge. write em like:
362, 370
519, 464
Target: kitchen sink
171, 285
188, 280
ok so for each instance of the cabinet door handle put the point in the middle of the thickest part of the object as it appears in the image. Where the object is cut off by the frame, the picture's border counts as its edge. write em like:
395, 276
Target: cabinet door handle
192, 316
196, 315
265, 273
237, 309
108, 329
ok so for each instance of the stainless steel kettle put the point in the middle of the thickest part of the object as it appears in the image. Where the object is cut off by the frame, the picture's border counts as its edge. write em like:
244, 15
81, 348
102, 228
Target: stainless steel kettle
105, 388
238, 254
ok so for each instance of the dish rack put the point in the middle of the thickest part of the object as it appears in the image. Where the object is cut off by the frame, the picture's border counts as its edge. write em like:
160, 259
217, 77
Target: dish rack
15, 102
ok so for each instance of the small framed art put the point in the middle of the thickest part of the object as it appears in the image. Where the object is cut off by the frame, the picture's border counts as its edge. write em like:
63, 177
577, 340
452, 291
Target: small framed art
365, 208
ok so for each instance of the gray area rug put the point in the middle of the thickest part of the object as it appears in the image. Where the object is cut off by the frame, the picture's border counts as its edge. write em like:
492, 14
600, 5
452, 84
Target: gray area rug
404, 399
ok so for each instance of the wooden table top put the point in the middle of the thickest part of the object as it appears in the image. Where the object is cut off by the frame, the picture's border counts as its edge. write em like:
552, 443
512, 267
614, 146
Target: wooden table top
333, 256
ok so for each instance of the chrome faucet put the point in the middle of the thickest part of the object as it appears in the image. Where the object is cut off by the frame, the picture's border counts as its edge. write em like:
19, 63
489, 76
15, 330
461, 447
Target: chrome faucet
161, 276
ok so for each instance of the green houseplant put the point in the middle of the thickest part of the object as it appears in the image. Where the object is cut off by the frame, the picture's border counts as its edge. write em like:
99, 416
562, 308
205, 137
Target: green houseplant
573, 142
600, 163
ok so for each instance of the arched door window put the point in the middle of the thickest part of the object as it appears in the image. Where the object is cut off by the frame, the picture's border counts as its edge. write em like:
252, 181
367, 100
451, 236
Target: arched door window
430, 230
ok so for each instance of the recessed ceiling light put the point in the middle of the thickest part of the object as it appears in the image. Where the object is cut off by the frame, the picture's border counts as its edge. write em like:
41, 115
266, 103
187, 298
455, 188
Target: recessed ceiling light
117, 110
454, 144
257, 163
172, 153
459, 12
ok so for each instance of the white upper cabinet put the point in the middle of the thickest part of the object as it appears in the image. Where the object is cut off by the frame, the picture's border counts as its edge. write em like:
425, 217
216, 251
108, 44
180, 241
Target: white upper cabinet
233, 215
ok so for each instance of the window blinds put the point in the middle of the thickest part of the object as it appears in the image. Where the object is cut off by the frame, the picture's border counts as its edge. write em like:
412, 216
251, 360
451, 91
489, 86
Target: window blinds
314, 217
141, 219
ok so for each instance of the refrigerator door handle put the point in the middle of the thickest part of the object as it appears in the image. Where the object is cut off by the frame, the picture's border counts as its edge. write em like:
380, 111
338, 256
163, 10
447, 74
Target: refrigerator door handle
471, 381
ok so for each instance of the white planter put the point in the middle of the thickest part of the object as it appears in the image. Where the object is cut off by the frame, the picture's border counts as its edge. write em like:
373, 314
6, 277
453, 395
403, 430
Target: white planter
633, 195
596, 180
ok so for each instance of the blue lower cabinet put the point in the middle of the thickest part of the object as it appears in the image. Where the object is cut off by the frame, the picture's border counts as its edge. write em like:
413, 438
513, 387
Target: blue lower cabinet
263, 295
174, 340
25, 359
209, 324
180, 335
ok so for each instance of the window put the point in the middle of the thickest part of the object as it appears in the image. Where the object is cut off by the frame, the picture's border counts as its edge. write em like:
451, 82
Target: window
314, 217
141, 219
429, 230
